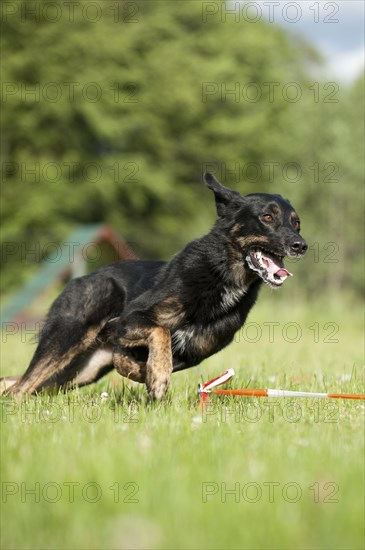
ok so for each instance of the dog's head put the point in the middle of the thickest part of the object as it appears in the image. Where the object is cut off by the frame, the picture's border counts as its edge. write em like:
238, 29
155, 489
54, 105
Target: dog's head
265, 228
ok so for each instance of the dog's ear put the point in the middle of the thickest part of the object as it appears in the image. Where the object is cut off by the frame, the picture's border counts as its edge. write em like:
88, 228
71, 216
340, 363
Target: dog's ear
223, 195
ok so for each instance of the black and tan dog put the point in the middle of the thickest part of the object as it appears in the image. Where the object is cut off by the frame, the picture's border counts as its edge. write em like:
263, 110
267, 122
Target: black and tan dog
148, 319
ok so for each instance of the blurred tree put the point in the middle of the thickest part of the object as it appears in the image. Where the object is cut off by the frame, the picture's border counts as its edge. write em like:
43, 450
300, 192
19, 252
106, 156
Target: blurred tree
112, 111
330, 135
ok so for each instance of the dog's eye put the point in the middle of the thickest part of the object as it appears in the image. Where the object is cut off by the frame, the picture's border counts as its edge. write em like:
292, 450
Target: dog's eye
296, 224
267, 217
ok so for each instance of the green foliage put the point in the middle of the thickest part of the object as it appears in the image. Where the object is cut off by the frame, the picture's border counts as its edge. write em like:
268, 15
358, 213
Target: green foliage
128, 110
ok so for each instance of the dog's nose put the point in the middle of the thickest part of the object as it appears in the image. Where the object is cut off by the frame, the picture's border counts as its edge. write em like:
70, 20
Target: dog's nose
299, 247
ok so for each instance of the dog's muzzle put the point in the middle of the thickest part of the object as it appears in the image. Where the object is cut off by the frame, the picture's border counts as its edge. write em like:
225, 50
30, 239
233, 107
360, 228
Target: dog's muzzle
269, 265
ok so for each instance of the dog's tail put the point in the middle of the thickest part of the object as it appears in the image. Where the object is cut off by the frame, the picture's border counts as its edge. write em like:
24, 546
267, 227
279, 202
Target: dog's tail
7, 382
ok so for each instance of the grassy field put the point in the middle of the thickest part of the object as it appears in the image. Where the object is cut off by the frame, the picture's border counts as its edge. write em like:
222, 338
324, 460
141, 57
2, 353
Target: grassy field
83, 470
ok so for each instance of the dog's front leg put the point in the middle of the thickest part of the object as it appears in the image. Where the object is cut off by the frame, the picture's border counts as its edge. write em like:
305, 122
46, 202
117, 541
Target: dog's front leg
159, 364
158, 368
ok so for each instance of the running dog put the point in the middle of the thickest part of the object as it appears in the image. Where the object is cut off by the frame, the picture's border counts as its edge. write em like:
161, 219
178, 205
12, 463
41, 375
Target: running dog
148, 319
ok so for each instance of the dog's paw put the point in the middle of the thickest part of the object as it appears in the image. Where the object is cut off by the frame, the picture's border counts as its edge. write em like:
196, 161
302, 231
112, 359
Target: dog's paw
157, 385
6, 383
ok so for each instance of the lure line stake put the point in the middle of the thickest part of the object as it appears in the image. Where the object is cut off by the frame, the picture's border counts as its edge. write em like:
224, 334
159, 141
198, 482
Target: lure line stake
207, 388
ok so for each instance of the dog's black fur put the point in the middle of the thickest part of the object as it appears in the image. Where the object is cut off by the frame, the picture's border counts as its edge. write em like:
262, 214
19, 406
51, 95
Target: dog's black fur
150, 318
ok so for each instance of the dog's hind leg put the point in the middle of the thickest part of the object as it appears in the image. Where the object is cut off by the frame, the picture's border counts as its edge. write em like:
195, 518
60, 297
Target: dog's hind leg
87, 368
84, 369
73, 326
60, 345
51, 359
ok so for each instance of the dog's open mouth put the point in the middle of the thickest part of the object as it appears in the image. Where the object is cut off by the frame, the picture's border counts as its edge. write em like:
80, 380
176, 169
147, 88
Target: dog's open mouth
268, 266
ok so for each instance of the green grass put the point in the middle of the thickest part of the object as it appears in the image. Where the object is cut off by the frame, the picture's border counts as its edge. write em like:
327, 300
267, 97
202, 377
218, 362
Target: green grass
160, 474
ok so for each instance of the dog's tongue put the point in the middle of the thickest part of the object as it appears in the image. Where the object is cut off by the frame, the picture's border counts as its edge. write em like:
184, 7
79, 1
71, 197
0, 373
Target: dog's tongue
275, 267
283, 273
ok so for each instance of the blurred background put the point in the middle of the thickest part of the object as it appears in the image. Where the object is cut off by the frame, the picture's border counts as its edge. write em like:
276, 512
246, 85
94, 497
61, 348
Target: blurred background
112, 111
